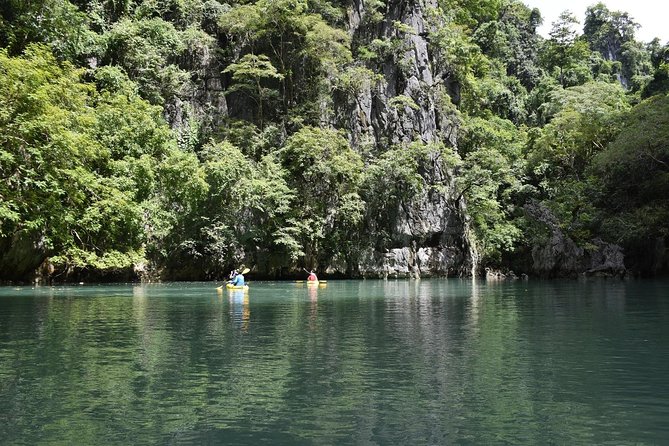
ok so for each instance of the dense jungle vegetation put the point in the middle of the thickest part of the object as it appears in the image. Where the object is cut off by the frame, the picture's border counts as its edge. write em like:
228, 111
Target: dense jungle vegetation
182, 137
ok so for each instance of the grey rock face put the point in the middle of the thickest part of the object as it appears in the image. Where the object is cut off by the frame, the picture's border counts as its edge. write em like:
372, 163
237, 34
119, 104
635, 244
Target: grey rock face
607, 259
202, 105
408, 74
428, 232
561, 257
411, 262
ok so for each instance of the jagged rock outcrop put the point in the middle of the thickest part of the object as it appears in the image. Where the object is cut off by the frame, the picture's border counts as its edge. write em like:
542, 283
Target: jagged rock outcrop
559, 256
606, 259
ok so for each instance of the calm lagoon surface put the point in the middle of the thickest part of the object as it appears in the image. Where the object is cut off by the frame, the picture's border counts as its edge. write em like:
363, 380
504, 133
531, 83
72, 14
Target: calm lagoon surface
354, 362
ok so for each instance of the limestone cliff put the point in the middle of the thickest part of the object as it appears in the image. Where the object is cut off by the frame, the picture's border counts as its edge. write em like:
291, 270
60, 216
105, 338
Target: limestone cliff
428, 232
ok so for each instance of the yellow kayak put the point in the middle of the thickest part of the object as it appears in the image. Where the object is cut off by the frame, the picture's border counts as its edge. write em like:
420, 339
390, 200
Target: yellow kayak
233, 287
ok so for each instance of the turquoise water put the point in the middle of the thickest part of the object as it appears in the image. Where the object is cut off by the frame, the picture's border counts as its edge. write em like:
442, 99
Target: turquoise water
355, 362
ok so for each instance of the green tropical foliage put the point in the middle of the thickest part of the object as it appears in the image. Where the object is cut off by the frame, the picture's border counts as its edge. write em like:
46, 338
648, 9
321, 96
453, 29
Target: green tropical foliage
634, 173
77, 165
180, 138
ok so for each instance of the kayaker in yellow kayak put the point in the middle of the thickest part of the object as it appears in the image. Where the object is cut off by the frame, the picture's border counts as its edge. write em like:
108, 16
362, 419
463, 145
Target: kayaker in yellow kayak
312, 276
236, 280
